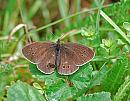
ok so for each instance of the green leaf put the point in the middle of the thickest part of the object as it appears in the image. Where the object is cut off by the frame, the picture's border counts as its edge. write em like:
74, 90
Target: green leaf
99, 76
82, 77
6, 71
100, 96
2, 88
58, 90
114, 76
34, 70
96, 79
48, 79
56, 87
115, 26
122, 90
126, 25
128, 97
23, 92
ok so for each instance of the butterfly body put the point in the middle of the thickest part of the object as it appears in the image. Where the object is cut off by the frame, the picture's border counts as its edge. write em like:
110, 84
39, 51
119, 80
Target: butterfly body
66, 57
57, 53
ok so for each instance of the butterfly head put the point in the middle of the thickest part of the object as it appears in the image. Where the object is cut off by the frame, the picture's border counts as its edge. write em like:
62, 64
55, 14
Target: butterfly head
58, 45
58, 41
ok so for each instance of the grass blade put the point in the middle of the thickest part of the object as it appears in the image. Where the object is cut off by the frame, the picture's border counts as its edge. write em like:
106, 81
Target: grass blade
115, 26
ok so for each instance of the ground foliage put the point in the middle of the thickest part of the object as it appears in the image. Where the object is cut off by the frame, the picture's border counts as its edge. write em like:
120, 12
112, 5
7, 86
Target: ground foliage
105, 78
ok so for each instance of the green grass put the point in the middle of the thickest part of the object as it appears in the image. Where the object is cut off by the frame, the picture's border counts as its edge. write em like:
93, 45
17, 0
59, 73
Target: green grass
103, 27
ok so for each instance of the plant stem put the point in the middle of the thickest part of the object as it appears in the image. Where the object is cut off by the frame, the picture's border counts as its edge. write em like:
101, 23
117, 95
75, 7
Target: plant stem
73, 15
115, 26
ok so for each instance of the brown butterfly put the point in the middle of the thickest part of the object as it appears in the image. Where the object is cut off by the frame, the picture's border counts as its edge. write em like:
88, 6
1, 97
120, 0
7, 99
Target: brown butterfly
66, 57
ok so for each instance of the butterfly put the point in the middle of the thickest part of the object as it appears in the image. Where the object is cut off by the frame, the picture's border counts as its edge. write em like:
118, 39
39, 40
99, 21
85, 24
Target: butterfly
67, 58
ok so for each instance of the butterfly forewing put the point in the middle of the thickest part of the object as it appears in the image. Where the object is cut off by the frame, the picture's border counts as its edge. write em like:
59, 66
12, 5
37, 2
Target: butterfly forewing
67, 62
47, 65
84, 53
34, 52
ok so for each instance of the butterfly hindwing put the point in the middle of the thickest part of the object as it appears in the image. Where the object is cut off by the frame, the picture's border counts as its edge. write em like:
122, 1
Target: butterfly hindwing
47, 65
67, 62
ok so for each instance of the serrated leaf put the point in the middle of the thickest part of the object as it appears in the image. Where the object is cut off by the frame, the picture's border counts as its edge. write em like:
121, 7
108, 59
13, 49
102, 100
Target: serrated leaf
23, 92
122, 90
58, 91
57, 88
126, 25
114, 76
48, 79
100, 96
82, 77
95, 80
68, 94
99, 76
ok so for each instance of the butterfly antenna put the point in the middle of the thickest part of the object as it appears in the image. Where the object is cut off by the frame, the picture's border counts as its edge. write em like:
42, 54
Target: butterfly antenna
62, 36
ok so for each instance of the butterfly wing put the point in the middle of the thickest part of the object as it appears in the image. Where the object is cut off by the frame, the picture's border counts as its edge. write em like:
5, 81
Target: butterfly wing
84, 54
42, 54
35, 52
68, 61
47, 64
